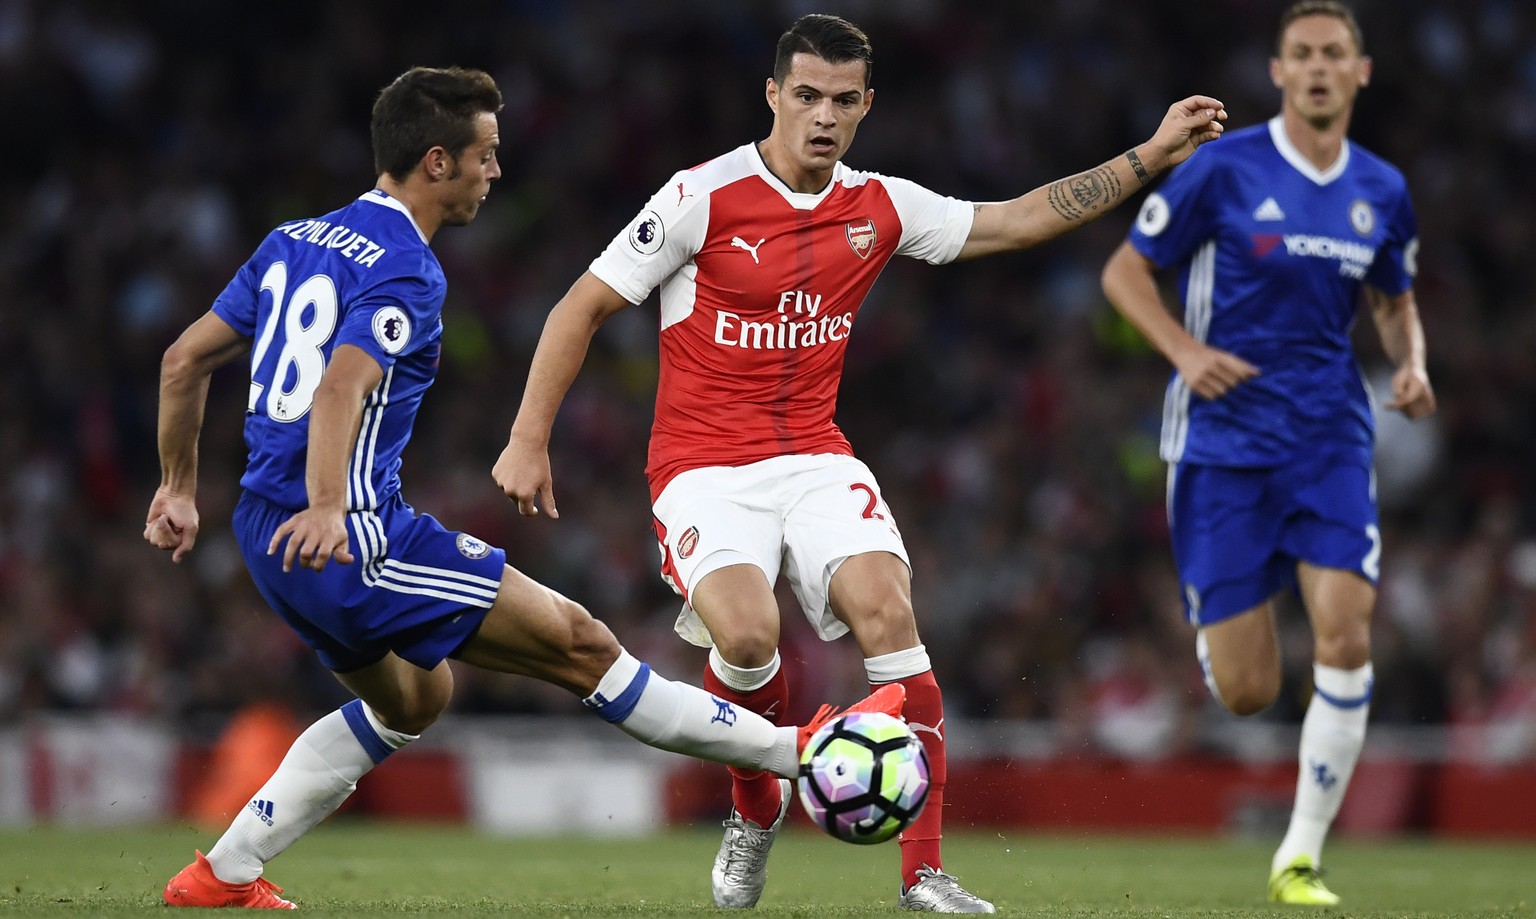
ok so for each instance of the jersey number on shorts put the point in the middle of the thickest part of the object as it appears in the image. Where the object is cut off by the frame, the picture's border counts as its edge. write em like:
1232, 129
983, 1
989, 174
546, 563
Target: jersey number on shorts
307, 319
1371, 564
869, 509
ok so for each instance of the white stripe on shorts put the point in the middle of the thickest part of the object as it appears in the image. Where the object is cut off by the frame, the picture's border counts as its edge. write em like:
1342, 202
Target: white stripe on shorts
442, 583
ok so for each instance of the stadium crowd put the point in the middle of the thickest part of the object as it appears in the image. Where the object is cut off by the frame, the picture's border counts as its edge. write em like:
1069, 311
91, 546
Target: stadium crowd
1011, 418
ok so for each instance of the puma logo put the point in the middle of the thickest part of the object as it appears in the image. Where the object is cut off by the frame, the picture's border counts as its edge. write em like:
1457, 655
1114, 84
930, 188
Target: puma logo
936, 730
740, 243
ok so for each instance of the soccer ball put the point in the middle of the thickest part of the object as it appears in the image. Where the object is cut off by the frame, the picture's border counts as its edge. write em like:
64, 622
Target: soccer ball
864, 777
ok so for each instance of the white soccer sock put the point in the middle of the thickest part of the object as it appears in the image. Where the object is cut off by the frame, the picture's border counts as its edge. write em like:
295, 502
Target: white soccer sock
685, 719
898, 665
743, 679
319, 772
1332, 735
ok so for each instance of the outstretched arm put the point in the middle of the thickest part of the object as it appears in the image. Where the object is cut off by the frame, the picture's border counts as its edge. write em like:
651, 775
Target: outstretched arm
1130, 283
522, 471
1066, 204
206, 345
1402, 337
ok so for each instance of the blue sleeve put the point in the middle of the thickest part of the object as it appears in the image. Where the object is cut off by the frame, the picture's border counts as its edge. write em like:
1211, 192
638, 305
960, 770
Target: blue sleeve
1178, 215
237, 303
1397, 259
393, 318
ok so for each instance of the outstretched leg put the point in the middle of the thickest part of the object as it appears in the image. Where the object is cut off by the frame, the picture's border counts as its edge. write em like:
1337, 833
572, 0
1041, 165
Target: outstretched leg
534, 631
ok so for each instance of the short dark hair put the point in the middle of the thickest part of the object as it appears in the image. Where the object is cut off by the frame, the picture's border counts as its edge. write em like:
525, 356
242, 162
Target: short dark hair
831, 38
1319, 8
428, 107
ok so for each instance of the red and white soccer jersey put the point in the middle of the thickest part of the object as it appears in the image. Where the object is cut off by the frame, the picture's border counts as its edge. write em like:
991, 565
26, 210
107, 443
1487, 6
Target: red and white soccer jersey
760, 286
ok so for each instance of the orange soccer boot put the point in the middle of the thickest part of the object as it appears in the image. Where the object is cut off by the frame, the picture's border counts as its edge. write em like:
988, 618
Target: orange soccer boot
888, 699
197, 885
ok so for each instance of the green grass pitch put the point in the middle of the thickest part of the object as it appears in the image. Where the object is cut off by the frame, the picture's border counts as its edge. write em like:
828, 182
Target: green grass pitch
367, 869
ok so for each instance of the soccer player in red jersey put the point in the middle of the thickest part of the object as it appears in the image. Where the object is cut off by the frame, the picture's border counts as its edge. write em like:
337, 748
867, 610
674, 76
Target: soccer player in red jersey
763, 257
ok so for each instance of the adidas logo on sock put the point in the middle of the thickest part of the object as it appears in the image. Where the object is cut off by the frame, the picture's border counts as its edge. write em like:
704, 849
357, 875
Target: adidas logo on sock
262, 810
1269, 210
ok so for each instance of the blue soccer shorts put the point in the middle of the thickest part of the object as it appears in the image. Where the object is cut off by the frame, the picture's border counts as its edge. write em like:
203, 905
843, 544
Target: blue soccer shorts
414, 587
1238, 534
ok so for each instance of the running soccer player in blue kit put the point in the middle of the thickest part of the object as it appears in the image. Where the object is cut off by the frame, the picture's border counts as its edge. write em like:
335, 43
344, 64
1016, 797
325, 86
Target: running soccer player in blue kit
345, 314
1279, 233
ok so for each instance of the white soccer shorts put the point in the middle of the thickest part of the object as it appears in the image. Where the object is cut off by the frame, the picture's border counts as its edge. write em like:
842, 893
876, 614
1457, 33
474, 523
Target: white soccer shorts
801, 516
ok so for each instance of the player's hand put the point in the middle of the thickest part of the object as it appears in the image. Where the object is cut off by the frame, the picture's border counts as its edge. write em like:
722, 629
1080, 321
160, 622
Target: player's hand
1211, 372
1188, 124
171, 523
1411, 393
522, 473
315, 536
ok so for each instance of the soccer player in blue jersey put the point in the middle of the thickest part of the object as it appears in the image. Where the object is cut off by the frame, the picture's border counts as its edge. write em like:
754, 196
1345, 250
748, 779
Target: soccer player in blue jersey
1278, 234
345, 314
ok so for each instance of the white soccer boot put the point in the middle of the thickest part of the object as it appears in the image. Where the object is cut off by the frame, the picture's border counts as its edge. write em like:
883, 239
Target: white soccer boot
741, 865
937, 892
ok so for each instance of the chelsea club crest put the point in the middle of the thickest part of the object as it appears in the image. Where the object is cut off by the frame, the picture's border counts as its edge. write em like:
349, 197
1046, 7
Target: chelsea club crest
1361, 217
470, 547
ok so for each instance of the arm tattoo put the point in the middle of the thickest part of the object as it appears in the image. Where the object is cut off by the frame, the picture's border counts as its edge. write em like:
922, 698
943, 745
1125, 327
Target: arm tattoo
1075, 197
1141, 171
1060, 203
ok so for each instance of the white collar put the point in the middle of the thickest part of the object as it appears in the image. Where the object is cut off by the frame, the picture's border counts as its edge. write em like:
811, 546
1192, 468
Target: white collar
380, 196
1300, 162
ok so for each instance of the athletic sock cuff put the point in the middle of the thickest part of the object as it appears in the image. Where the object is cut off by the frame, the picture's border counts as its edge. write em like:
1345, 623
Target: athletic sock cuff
378, 740
619, 690
898, 665
743, 679
1343, 688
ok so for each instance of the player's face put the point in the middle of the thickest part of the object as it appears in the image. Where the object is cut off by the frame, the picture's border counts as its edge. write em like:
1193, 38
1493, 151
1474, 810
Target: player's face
1320, 69
816, 111
472, 175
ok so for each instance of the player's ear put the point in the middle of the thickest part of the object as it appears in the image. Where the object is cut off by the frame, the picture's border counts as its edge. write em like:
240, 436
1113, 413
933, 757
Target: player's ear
437, 163
771, 93
1274, 73
1365, 72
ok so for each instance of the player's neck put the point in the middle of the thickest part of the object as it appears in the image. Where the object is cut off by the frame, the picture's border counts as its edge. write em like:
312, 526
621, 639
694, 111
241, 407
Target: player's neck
1320, 144
424, 211
779, 162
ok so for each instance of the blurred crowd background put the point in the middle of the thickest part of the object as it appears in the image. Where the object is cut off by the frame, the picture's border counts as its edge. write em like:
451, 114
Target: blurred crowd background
1011, 418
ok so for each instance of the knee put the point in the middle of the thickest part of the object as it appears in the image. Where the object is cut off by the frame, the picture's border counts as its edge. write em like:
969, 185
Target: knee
748, 643
577, 654
1346, 649
1250, 700
587, 636
413, 719
417, 710
1249, 693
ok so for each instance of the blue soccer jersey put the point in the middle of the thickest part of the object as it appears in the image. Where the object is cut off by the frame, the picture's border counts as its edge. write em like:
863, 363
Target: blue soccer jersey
1271, 254
363, 276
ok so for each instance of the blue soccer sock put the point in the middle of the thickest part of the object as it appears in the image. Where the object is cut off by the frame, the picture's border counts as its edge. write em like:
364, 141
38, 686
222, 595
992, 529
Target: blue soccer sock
319, 772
